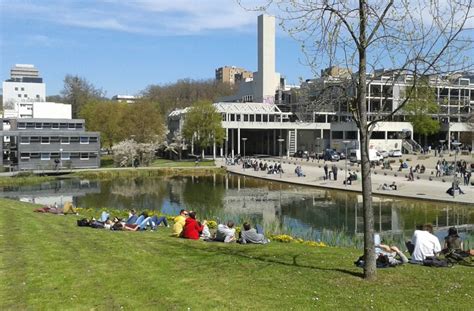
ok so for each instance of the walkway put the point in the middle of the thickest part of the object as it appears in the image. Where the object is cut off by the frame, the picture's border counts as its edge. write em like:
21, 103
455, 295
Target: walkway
424, 189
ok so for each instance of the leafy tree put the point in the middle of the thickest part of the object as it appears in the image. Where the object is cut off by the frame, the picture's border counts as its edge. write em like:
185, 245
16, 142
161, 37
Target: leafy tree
422, 110
106, 117
144, 122
77, 92
203, 125
412, 37
183, 93
128, 151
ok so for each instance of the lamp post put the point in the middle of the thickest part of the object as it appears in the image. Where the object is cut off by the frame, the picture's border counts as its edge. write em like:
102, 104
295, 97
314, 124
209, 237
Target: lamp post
456, 145
244, 139
345, 142
280, 141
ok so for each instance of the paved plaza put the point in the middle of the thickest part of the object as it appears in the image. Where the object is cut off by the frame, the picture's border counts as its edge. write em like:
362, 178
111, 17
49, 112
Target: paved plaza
421, 188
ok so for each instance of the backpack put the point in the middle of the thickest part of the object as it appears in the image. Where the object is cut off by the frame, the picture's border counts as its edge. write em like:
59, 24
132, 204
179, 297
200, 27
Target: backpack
433, 261
84, 222
381, 262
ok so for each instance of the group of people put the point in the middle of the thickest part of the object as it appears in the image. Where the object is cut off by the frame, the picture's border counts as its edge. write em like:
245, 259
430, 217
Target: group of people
392, 186
328, 172
299, 171
187, 226
423, 244
133, 222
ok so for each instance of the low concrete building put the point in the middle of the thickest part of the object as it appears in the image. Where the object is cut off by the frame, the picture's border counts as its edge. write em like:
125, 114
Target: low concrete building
48, 144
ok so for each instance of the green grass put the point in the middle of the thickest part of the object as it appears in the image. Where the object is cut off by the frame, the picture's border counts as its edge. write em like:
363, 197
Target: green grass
184, 163
22, 180
47, 262
106, 161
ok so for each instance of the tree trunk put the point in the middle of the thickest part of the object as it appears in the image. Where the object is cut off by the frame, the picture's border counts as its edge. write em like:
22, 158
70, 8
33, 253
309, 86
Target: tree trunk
370, 272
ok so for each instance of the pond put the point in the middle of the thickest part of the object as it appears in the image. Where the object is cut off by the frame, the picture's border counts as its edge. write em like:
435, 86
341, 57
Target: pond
331, 216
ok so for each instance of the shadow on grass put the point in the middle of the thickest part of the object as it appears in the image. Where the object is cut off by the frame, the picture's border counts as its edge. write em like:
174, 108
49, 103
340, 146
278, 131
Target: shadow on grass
245, 253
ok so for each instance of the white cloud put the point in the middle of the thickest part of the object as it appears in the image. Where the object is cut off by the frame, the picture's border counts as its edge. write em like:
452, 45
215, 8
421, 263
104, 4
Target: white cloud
158, 17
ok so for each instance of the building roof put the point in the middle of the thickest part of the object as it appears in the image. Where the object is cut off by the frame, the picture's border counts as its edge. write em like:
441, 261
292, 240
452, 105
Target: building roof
223, 107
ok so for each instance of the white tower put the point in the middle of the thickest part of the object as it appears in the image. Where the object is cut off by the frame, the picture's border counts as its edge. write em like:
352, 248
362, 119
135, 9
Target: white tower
267, 80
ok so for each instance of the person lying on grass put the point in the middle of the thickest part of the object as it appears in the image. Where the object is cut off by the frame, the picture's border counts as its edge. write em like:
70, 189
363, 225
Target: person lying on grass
395, 256
67, 209
252, 235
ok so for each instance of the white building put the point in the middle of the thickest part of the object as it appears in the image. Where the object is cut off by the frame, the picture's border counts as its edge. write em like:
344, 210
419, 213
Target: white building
129, 99
24, 96
266, 81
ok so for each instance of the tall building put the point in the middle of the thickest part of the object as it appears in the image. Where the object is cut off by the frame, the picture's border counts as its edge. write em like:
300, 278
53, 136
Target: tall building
266, 85
24, 85
24, 96
232, 74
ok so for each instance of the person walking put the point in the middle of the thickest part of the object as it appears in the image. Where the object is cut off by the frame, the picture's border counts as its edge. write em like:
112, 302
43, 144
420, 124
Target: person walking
334, 171
326, 171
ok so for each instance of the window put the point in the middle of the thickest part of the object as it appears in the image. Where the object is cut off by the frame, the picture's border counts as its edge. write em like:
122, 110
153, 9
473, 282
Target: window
25, 96
337, 134
84, 156
378, 135
79, 126
55, 126
65, 156
84, 140
45, 156
45, 140
55, 155
74, 155
74, 139
37, 96
63, 126
24, 140
65, 140
34, 155
93, 139
25, 156
46, 125
71, 126
22, 88
351, 135
34, 139
30, 125
16, 89
93, 155
38, 125
246, 117
54, 140
19, 95
21, 126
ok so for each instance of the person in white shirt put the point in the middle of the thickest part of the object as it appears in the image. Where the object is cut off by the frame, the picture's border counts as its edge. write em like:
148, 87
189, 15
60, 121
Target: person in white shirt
225, 233
424, 244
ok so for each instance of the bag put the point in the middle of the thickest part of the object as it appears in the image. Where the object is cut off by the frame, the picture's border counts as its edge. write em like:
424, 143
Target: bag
433, 261
97, 225
458, 257
84, 222
381, 262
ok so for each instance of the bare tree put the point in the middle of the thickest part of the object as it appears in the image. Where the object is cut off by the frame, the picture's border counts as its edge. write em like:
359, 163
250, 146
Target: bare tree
419, 38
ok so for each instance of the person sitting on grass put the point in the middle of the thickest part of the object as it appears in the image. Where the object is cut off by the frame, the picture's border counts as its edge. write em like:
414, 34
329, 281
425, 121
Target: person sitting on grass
251, 235
225, 233
423, 244
393, 186
454, 187
395, 256
179, 222
192, 228
452, 241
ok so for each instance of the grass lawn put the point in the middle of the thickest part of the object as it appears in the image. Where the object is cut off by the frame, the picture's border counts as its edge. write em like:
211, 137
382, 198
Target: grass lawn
47, 262
184, 163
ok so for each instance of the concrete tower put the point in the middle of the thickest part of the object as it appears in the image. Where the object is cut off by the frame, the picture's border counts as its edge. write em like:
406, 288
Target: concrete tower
267, 80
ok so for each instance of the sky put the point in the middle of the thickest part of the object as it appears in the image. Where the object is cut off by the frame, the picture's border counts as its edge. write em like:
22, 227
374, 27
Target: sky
123, 46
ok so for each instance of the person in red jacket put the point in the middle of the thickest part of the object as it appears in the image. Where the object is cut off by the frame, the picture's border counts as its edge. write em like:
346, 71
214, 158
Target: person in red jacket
192, 228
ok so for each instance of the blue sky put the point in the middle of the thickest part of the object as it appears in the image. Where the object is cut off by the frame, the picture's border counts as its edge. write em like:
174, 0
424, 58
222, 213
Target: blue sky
123, 46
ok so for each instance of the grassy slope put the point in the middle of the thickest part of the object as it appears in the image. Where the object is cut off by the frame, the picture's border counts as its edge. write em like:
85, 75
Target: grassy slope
46, 262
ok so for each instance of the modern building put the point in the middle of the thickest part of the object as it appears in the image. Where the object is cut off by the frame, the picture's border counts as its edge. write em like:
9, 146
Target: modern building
24, 96
47, 144
24, 85
233, 75
129, 99
266, 85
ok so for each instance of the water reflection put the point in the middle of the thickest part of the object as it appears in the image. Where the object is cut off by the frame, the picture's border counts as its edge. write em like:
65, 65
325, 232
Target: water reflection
331, 216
